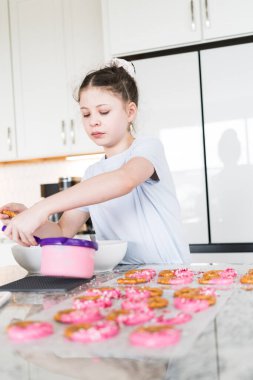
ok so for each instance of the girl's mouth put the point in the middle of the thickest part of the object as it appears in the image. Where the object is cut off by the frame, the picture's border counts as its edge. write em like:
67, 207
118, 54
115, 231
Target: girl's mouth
97, 134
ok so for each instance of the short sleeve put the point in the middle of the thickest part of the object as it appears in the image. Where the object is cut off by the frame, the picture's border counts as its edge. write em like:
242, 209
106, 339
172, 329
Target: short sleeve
151, 149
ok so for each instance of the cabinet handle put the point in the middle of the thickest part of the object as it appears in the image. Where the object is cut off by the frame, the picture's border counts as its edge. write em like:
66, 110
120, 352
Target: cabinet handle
63, 133
72, 131
9, 140
207, 19
193, 16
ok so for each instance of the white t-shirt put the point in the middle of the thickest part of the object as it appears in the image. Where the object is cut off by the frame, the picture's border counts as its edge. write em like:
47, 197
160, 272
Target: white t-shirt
149, 216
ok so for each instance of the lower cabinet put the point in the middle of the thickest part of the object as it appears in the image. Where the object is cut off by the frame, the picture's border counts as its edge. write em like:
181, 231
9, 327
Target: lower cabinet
170, 108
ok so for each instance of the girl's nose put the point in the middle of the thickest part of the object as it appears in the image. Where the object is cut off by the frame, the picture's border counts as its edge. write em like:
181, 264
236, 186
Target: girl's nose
94, 121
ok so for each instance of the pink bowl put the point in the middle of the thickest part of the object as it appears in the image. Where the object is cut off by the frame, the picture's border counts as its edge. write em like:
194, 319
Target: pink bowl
67, 258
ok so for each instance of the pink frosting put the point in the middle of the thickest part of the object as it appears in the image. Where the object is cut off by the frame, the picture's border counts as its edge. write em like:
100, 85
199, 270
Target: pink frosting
178, 319
229, 272
97, 332
156, 339
180, 280
145, 275
150, 272
82, 303
190, 305
184, 272
134, 305
81, 316
134, 294
34, 330
137, 317
109, 293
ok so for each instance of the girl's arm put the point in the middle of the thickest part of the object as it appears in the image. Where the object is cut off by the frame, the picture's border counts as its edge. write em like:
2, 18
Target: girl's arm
95, 190
69, 224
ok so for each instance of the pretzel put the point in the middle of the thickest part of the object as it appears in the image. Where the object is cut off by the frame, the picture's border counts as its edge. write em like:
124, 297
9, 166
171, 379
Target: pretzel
157, 302
11, 214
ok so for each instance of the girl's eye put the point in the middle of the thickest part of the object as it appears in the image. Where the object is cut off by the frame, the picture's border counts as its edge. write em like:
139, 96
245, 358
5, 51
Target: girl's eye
104, 112
87, 115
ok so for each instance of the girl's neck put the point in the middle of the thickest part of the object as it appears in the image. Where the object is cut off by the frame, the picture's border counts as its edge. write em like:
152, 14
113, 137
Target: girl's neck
119, 148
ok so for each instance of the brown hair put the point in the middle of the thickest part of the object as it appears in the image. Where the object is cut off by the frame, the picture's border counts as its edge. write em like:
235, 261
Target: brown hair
112, 78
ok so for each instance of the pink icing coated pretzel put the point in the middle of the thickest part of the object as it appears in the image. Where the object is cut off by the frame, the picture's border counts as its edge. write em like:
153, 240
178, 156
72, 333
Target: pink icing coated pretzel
190, 305
88, 332
85, 302
78, 316
29, 330
105, 292
154, 339
178, 319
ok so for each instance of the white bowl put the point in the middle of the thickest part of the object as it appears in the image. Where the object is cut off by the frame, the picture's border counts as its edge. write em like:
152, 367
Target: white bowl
28, 258
109, 254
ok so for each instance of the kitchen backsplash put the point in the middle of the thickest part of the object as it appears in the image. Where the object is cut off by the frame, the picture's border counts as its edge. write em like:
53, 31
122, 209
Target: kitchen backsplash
20, 182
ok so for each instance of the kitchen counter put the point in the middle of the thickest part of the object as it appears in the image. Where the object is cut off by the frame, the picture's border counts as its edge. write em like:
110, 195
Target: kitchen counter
223, 351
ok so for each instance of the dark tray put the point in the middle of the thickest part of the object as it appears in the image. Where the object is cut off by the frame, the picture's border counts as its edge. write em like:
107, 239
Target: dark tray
44, 284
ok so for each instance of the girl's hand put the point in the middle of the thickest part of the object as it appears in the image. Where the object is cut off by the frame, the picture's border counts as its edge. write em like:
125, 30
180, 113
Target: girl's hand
21, 227
9, 210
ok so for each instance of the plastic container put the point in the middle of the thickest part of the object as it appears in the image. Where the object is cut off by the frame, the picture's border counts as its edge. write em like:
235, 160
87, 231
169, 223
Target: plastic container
66, 257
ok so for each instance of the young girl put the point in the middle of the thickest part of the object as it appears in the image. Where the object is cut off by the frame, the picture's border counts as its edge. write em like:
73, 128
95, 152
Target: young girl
129, 194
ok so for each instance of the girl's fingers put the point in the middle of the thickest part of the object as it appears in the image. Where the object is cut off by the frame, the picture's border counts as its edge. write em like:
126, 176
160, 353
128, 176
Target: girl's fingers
24, 239
4, 216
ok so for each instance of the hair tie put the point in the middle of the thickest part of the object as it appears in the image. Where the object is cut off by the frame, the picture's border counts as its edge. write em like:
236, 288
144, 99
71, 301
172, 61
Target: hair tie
119, 62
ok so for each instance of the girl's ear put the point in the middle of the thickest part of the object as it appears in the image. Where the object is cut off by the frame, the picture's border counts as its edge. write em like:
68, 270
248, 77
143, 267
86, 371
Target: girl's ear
131, 111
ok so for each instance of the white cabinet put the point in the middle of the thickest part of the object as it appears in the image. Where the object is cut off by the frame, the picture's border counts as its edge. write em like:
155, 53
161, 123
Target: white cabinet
227, 80
170, 108
51, 40
139, 25
7, 121
142, 25
225, 18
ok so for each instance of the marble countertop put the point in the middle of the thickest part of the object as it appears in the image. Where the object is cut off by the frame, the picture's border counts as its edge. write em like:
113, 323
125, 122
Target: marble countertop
223, 351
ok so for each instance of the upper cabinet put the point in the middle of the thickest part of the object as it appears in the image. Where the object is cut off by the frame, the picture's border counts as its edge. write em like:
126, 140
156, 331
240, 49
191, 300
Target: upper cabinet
54, 44
226, 18
142, 25
7, 121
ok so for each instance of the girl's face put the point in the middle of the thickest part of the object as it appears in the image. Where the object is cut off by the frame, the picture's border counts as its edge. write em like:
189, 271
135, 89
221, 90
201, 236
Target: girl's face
106, 118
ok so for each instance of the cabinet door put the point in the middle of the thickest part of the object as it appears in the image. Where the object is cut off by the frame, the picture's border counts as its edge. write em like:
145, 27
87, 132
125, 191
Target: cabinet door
170, 108
223, 18
7, 123
228, 99
39, 76
140, 25
84, 52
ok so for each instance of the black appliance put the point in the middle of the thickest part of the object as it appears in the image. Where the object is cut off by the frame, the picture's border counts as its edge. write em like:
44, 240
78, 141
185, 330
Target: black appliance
63, 183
